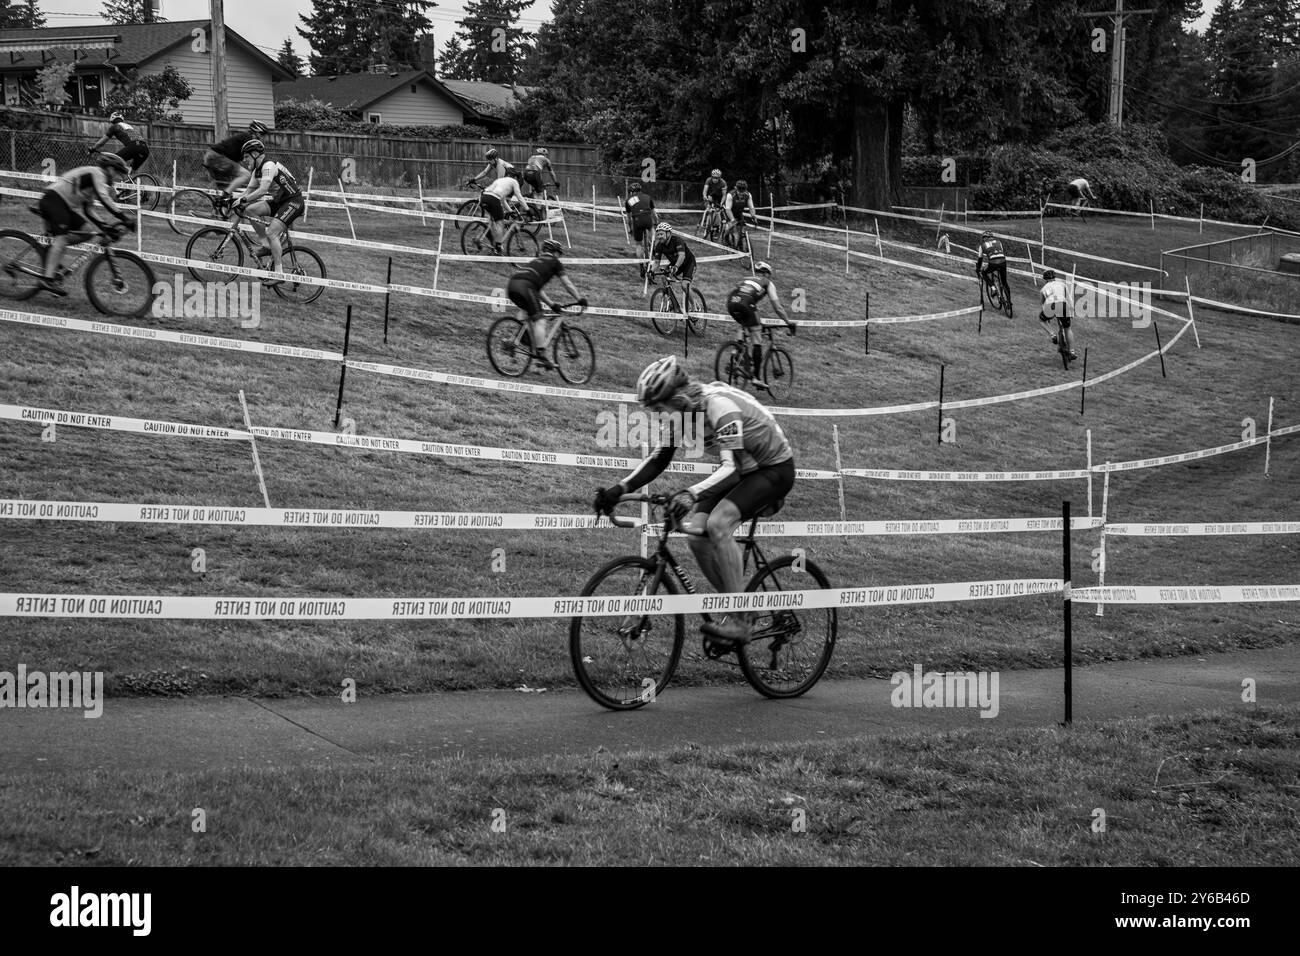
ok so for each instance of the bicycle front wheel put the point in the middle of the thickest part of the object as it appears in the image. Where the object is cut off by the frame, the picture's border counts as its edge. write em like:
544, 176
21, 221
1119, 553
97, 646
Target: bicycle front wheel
626, 662
778, 370
301, 262
574, 355
120, 283
667, 314
214, 244
22, 263
508, 346
470, 207
790, 647
193, 203
729, 364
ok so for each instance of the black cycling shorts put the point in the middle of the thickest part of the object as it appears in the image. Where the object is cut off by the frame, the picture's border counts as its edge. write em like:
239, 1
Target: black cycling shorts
751, 492
687, 271
533, 177
743, 311
493, 206
287, 210
640, 226
1075, 192
997, 269
58, 215
135, 154
1065, 319
524, 295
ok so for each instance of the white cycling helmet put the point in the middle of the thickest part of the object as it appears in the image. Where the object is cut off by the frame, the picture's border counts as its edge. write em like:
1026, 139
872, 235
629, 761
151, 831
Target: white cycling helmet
764, 268
541, 150
716, 174
660, 380
664, 228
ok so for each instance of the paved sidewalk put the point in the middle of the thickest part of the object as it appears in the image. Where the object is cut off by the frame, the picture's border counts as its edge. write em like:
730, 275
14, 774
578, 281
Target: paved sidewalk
208, 733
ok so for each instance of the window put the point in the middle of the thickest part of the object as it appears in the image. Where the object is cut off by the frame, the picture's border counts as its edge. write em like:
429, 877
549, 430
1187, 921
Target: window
412, 87
374, 117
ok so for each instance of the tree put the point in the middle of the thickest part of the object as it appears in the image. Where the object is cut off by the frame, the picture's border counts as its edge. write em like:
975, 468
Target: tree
1242, 76
130, 11
150, 96
20, 15
290, 60
489, 44
352, 36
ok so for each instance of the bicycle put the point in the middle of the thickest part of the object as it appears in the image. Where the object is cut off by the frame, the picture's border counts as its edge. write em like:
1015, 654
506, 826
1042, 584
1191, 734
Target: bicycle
229, 243
519, 241
198, 204
510, 347
1061, 341
736, 236
117, 282
733, 364
711, 223
128, 186
626, 662
996, 292
666, 301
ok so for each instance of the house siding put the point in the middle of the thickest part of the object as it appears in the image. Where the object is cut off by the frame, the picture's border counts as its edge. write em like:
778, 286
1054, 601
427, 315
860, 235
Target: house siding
248, 85
424, 107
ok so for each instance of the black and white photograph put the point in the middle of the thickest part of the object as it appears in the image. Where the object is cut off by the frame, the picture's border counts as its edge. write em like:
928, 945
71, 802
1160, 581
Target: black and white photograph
736, 434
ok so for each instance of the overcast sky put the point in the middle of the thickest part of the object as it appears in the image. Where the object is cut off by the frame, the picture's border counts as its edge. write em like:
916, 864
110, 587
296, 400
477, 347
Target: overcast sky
267, 22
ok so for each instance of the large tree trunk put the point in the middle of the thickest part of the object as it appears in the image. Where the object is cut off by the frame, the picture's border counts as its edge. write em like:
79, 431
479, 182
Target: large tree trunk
896, 112
872, 184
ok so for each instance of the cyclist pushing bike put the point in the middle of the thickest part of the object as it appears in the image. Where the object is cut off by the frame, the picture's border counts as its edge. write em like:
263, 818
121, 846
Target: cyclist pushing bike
681, 261
991, 261
66, 204
525, 290
756, 473
1056, 307
743, 304
641, 216
133, 149
272, 191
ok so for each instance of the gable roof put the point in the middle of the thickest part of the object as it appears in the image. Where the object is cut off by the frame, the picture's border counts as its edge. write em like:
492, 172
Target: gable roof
480, 93
132, 44
353, 92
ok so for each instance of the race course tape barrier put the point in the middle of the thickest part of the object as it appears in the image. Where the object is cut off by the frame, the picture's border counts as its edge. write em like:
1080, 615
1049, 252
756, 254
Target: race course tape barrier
1209, 594
271, 608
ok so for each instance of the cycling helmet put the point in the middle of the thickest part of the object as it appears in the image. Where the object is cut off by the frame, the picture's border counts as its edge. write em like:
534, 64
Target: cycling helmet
258, 128
552, 247
253, 146
741, 184
986, 234
660, 380
111, 162
116, 117
764, 268
541, 150
716, 174
664, 228
490, 155
1049, 275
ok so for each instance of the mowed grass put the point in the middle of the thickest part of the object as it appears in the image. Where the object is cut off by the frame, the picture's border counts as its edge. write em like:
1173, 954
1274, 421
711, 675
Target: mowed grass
1210, 789
1208, 392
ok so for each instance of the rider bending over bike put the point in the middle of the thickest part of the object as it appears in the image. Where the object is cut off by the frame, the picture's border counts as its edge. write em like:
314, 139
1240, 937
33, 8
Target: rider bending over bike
525, 290
743, 303
494, 200
681, 261
756, 473
1056, 305
272, 191
65, 207
134, 148
641, 214
992, 261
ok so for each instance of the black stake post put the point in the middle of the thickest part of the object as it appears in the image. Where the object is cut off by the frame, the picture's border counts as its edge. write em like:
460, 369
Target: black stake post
941, 368
1083, 387
343, 366
1160, 348
1066, 605
387, 295
979, 327
866, 329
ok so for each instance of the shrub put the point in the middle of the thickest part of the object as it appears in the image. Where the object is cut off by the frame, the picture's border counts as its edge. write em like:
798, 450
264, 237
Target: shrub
318, 116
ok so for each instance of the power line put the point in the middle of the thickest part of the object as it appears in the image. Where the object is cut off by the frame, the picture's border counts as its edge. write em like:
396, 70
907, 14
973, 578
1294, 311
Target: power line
1219, 119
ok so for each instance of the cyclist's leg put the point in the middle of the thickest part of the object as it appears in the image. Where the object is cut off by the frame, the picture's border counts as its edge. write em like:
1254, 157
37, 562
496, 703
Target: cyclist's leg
60, 220
135, 154
524, 295
697, 529
277, 232
1005, 287
1069, 334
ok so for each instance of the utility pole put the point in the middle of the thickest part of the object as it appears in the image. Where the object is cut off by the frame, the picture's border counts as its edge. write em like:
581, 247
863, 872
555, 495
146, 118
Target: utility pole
220, 120
1119, 40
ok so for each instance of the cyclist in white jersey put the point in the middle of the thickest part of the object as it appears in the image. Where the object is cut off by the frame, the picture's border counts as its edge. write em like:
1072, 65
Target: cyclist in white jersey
1056, 305
505, 191
756, 473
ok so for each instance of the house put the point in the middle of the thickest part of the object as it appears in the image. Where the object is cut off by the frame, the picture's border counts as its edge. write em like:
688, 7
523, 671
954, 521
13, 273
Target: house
106, 54
409, 98
487, 97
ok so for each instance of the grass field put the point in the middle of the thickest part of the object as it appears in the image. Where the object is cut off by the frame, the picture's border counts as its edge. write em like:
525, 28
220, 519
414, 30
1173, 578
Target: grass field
1208, 392
1211, 789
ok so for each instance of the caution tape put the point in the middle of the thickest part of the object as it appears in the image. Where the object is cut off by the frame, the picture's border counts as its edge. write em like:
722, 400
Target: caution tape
883, 474
1201, 528
271, 608
1209, 594
1143, 463
146, 426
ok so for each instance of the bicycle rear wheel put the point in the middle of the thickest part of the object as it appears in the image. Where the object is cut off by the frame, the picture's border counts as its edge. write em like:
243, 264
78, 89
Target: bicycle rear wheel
696, 305
122, 286
22, 263
1007, 309
729, 364
625, 662
194, 203
214, 244
149, 198
778, 370
476, 239
790, 647
664, 303
508, 346
574, 355
301, 262
522, 244
470, 207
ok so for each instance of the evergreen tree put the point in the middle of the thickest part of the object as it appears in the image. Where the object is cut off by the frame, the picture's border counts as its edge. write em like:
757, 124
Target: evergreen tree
20, 15
290, 60
489, 45
351, 36
130, 11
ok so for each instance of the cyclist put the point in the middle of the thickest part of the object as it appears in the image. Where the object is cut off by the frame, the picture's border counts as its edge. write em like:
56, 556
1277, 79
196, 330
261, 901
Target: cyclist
65, 206
496, 168
743, 303
539, 163
224, 160
1056, 305
272, 191
715, 187
525, 290
494, 199
1079, 191
991, 260
739, 203
756, 473
681, 261
641, 215
134, 148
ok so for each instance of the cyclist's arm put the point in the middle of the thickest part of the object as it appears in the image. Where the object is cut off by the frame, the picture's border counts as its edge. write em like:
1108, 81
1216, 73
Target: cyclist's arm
649, 470
107, 198
681, 258
486, 169
99, 143
253, 193
726, 205
569, 287
776, 303
724, 473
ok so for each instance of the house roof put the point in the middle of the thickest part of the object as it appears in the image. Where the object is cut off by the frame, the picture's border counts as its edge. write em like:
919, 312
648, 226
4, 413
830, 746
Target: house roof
354, 92
136, 43
498, 95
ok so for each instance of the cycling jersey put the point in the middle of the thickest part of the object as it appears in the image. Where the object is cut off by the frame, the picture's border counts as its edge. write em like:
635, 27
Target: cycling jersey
540, 271
678, 254
505, 188
538, 161
738, 202
715, 188
1080, 184
752, 290
990, 250
639, 206
82, 187
232, 147
279, 182
124, 133
1056, 301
